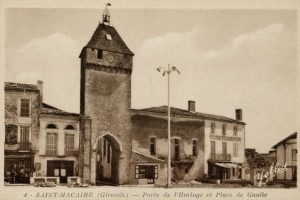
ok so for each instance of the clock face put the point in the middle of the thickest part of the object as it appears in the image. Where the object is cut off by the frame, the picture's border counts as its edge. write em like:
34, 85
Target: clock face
110, 58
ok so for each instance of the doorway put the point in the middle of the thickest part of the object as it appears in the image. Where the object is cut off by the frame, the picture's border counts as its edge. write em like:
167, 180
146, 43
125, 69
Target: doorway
61, 169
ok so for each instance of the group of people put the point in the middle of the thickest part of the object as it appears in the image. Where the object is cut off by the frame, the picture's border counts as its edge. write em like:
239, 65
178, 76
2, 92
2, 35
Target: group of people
18, 176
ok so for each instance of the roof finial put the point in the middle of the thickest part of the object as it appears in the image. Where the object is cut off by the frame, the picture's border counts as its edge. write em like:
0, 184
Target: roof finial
105, 15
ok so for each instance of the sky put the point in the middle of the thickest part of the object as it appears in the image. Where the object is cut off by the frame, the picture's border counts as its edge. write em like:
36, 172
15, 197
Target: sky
228, 59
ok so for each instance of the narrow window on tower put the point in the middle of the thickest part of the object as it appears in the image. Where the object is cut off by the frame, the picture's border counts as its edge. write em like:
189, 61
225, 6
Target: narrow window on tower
108, 153
152, 145
104, 147
195, 147
99, 54
177, 150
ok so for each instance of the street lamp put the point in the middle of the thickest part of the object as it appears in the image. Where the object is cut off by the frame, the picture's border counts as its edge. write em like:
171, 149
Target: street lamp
168, 72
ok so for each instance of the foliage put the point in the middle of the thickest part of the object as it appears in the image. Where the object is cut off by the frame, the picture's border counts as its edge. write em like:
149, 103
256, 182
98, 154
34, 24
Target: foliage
11, 134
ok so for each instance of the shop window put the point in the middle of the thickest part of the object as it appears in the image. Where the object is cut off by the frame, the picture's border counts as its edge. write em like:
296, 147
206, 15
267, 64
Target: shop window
146, 172
152, 145
25, 108
195, 147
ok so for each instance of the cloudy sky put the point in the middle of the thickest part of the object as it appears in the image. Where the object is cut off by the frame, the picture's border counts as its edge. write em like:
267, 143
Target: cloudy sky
228, 59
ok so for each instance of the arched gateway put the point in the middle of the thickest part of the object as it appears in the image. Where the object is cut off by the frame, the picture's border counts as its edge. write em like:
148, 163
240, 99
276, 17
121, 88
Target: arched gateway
105, 103
107, 151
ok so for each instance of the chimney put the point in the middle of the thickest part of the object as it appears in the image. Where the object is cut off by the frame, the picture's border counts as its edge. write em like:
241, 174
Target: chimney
40, 87
238, 114
191, 106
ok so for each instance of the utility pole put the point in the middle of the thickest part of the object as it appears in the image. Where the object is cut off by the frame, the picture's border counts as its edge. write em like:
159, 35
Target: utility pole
168, 72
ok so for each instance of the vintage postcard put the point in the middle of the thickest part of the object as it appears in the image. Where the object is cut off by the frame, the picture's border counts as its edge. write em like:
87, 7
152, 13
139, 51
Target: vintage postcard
149, 99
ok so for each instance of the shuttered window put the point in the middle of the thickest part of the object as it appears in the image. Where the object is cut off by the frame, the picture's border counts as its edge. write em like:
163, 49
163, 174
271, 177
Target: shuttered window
177, 149
213, 147
24, 137
25, 108
69, 140
235, 149
224, 148
51, 146
152, 146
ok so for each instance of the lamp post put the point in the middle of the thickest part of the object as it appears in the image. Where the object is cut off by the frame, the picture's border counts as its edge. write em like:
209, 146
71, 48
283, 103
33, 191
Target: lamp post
168, 72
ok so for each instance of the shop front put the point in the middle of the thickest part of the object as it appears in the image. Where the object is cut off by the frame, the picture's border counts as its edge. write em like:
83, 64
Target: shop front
223, 171
18, 168
61, 169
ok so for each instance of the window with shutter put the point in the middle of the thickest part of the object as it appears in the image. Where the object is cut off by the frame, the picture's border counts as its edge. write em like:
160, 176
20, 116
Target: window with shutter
51, 146
69, 148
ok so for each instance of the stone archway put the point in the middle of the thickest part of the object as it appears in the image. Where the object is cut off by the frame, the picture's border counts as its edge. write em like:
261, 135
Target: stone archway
107, 150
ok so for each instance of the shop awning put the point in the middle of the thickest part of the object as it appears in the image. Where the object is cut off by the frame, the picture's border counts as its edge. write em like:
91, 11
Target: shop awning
226, 165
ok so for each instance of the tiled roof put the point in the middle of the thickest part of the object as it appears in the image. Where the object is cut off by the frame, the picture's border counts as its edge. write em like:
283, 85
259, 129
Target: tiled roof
47, 109
162, 110
292, 136
99, 40
143, 158
20, 86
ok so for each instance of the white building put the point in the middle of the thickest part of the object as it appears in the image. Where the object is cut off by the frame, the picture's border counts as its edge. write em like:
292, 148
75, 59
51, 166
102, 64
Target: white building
286, 152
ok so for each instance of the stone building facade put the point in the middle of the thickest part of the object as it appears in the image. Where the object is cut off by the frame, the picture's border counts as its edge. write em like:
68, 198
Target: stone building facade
200, 145
22, 107
58, 144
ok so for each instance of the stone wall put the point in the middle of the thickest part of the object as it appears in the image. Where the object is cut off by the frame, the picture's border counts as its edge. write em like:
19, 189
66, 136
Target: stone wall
12, 114
107, 101
185, 129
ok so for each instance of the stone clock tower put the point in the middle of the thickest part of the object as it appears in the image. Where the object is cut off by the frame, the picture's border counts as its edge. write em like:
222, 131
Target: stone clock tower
105, 102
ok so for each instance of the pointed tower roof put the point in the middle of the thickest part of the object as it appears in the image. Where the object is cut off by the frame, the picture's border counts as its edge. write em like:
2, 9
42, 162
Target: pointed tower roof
107, 38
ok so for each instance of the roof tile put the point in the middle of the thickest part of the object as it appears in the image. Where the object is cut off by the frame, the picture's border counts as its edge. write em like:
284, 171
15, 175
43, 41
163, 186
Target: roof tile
47, 109
99, 40
162, 110
20, 86
143, 158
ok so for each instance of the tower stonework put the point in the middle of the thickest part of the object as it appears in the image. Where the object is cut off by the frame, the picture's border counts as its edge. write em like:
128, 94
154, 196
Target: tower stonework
105, 102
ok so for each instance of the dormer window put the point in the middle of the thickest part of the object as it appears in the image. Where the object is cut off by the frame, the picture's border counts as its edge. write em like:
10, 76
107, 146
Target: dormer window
108, 37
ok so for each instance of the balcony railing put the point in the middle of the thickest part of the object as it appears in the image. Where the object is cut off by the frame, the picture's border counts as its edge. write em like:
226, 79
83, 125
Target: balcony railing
25, 146
51, 152
71, 152
220, 157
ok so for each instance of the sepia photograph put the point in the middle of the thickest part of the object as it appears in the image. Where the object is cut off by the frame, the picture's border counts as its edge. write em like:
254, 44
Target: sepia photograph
155, 101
